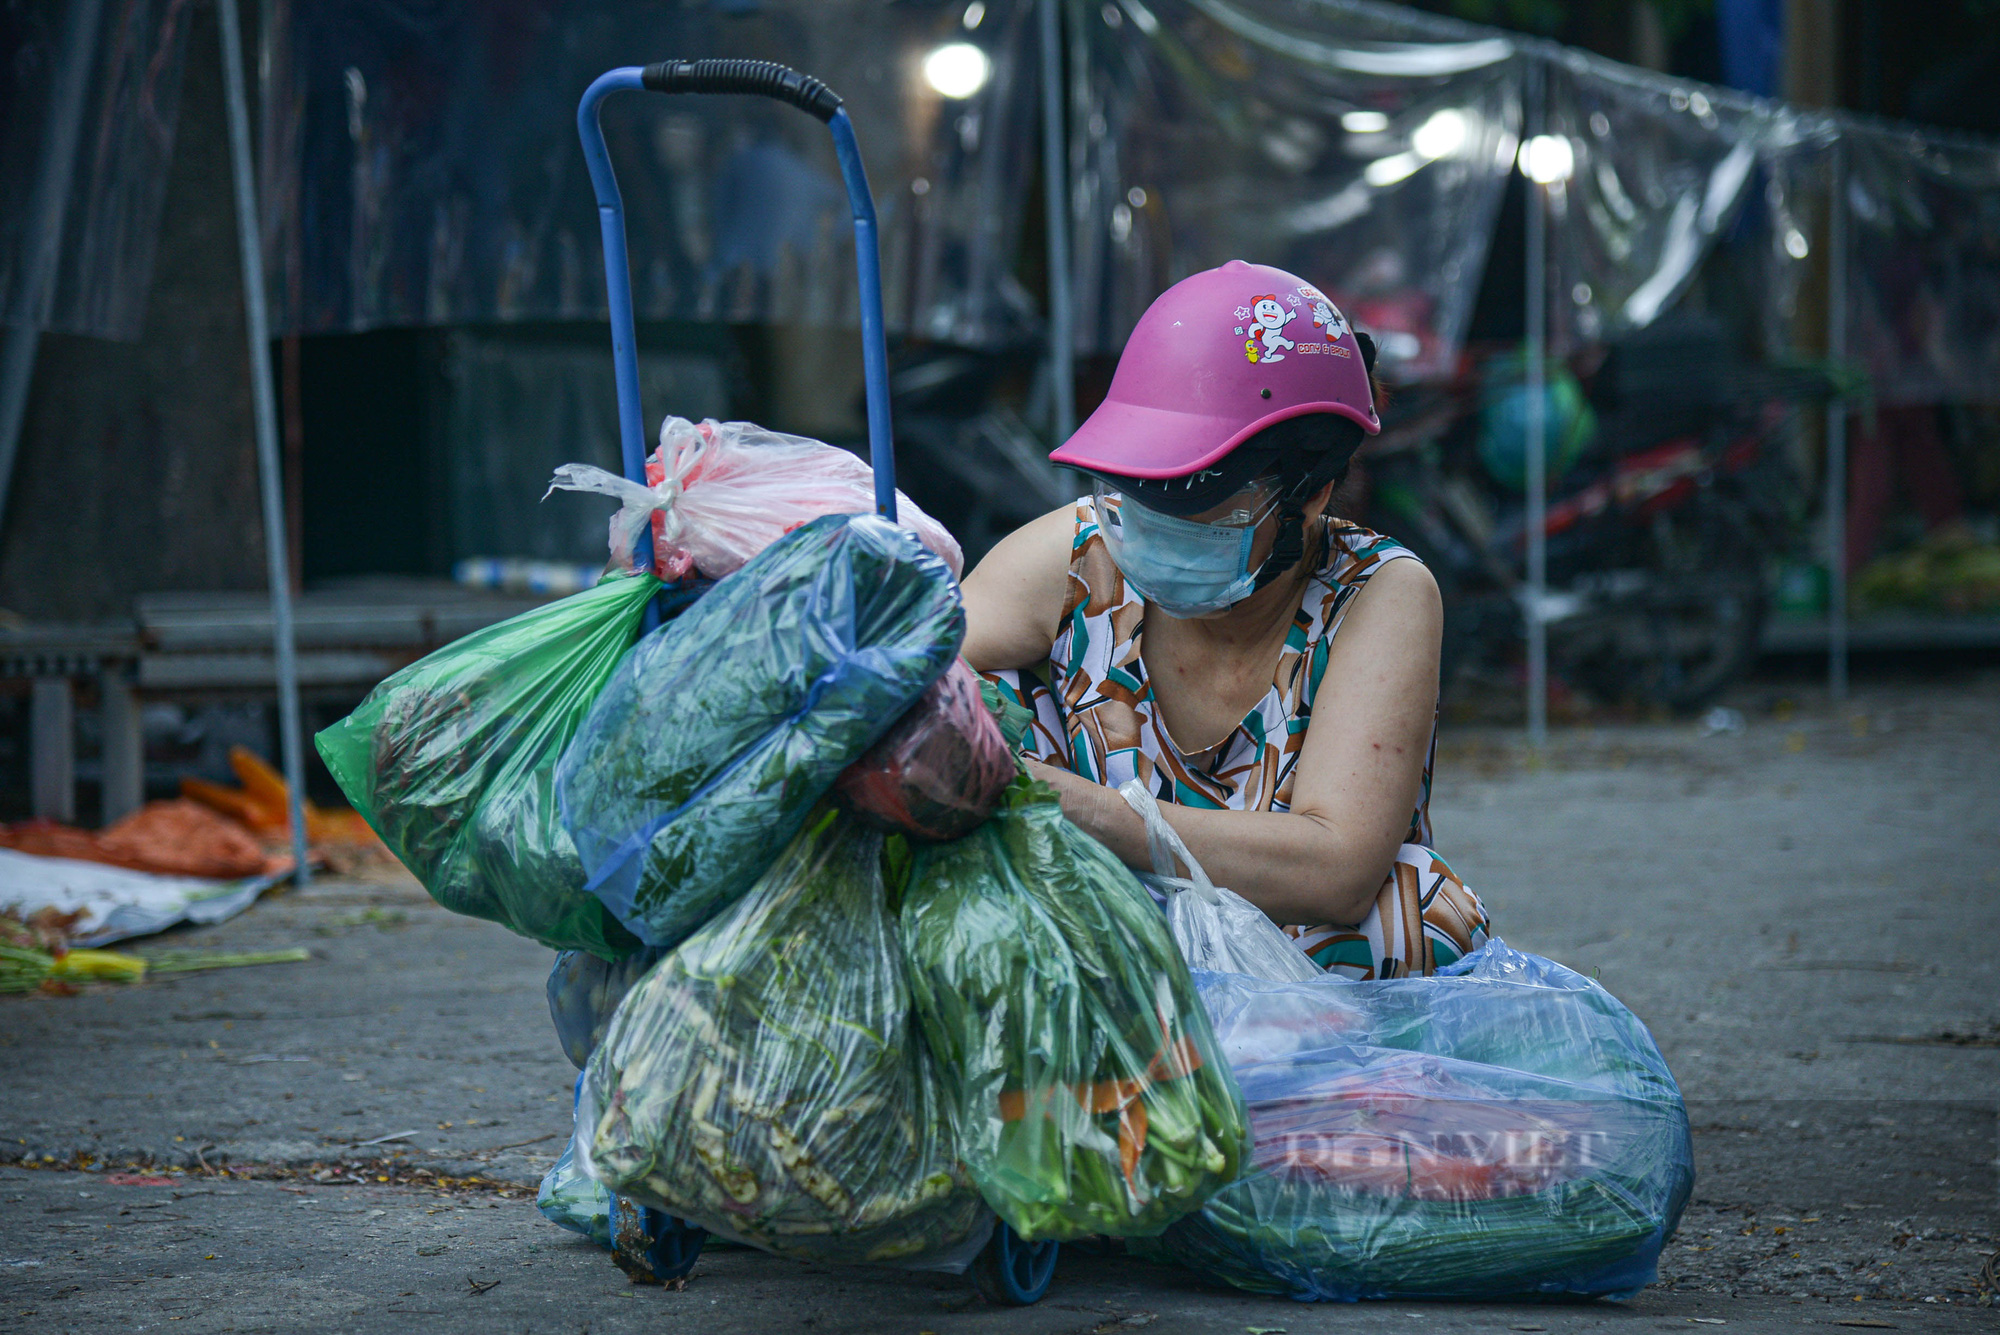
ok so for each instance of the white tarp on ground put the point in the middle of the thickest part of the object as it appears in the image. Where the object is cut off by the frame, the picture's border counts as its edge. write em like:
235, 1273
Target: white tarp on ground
118, 903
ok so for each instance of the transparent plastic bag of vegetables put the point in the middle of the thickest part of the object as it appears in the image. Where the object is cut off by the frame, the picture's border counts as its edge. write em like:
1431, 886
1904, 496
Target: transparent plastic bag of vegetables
767, 1081
1503, 1127
570, 1198
1087, 1090
452, 761
719, 733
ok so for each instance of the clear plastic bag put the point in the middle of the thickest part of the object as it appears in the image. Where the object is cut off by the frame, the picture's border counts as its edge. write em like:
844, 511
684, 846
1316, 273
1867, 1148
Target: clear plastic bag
1215, 928
568, 1197
718, 733
1503, 1127
937, 773
718, 493
1087, 1091
767, 1082
452, 761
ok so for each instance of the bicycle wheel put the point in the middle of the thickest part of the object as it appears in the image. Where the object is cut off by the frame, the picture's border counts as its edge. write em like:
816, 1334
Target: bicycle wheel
1009, 1272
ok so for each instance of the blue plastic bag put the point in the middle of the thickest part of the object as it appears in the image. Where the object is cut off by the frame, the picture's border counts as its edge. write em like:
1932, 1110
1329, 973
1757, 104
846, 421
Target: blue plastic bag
1504, 1127
717, 734
583, 992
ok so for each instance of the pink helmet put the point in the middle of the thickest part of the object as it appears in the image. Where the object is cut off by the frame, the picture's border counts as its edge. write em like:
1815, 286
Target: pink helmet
1215, 359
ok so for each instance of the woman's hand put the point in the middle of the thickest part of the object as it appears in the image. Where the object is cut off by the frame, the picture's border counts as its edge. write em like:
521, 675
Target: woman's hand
1358, 780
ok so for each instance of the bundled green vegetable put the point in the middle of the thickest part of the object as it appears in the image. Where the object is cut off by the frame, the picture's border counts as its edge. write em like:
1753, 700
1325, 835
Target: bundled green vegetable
1088, 1091
766, 1080
23, 968
716, 737
452, 761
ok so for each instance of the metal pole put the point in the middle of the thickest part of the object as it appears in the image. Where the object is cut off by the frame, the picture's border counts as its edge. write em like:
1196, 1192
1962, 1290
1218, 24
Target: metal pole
1836, 432
1537, 423
1055, 186
874, 331
48, 209
263, 401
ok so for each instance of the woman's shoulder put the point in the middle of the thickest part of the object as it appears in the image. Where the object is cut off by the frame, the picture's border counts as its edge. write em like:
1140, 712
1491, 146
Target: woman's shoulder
1359, 558
1019, 594
1355, 554
1401, 616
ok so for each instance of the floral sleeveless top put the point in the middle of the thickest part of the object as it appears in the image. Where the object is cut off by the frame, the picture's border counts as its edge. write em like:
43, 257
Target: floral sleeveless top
1100, 719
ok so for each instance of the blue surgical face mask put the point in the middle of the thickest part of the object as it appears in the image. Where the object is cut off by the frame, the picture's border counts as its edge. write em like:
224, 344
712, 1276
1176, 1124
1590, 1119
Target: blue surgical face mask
1184, 567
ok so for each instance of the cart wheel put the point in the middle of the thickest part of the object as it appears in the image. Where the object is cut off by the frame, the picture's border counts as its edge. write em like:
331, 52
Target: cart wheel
1011, 1273
651, 1246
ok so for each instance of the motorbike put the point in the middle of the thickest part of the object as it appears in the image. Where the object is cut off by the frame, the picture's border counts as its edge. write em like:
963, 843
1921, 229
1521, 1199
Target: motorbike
1669, 496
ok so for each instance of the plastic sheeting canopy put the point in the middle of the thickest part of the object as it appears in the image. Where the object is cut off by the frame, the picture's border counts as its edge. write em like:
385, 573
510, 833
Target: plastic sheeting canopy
1364, 148
116, 175
421, 167
435, 174
1923, 263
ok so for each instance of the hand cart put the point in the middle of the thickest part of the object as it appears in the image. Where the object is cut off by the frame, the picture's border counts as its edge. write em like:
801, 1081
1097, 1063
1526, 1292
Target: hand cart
650, 1244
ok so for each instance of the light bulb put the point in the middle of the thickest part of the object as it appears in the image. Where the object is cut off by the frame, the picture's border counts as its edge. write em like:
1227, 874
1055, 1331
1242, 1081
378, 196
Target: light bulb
957, 69
1441, 135
1547, 158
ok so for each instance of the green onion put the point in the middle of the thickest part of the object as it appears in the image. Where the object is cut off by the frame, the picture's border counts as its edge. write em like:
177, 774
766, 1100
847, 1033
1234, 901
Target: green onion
1087, 1089
187, 961
22, 968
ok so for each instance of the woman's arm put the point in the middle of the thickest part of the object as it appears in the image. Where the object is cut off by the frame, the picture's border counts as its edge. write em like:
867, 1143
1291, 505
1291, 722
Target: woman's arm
1014, 599
1356, 783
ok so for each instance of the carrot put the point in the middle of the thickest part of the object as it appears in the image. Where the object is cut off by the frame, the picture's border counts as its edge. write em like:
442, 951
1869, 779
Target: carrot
235, 803
265, 785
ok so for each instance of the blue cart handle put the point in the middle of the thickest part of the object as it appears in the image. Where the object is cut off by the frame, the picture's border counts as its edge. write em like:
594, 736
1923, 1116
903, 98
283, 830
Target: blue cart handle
762, 78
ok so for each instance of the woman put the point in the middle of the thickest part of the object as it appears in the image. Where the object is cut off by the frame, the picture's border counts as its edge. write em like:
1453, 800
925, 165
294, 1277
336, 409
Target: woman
1203, 623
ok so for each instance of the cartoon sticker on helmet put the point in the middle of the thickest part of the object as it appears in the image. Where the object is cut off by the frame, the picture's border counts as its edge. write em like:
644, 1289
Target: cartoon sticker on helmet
1267, 340
1328, 317
1265, 318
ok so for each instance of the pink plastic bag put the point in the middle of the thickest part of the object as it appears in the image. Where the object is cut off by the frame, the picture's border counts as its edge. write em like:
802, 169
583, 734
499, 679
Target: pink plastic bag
936, 774
719, 493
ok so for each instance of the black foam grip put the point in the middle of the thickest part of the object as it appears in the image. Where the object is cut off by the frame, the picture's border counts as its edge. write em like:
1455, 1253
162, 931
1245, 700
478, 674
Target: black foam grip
764, 78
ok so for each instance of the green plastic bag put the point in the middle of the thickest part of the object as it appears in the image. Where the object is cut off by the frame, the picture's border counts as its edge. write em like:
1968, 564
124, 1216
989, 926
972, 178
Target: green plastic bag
452, 761
766, 1079
1088, 1093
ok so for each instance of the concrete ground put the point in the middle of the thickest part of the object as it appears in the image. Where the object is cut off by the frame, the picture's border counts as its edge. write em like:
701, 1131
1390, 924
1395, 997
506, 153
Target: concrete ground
1803, 911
